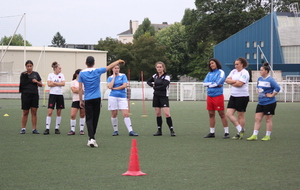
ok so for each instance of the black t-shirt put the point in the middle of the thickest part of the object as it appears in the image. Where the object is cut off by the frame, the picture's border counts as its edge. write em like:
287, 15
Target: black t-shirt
26, 84
161, 84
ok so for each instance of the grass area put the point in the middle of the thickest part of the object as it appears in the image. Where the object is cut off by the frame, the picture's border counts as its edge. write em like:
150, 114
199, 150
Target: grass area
187, 161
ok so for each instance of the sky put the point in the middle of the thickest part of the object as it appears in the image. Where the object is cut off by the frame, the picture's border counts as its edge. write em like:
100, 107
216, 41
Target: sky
84, 22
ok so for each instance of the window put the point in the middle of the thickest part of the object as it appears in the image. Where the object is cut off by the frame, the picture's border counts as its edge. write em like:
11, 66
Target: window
247, 44
254, 56
247, 56
262, 43
261, 56
254, 44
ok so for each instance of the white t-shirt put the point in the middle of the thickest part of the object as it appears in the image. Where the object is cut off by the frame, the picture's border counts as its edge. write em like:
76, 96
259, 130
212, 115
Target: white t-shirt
57, 90
75, 83
242, 76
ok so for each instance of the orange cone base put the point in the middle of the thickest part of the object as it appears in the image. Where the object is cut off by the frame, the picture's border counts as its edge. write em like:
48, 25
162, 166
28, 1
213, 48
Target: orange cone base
134, 173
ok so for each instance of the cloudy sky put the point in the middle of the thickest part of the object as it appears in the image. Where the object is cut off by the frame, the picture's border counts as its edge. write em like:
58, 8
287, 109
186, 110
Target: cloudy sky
84, 21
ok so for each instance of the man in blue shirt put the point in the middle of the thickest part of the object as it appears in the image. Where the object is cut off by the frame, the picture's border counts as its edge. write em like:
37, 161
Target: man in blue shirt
90, 78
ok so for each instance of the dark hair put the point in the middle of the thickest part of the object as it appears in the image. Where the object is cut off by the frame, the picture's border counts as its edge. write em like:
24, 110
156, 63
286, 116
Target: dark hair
163, 65
219, 66
90, 61
243, 61
111, 70
266, 66
28, 62
76, 73
54, 65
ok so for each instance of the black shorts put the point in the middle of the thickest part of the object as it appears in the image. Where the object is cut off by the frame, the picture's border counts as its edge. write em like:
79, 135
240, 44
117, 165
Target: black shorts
238, 103
56, 99
268, 109
76, 104
160, 101
29, 100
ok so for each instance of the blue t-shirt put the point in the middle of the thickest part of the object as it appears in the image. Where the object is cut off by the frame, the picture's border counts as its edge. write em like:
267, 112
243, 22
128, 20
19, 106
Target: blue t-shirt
90, 78
119, 81
266, 85
212, 80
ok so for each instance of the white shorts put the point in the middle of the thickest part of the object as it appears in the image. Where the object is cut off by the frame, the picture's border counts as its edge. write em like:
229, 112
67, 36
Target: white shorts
115, 103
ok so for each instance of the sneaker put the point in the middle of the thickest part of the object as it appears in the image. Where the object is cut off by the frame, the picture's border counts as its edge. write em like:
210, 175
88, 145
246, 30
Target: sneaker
35, 131
252, 138
92, 143
266, 138
242, 133
132, 133
115, 133
23, 131
71, 133
57, 131
158, 133
81, 132
173, 134
46, 132
210, 135
236, 137
226, 136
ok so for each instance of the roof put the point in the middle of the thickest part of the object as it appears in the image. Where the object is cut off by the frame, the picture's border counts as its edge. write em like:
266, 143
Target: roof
31, 48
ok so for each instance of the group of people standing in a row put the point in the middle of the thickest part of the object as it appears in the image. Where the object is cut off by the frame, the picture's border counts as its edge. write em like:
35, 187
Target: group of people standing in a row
238, 78
86, 99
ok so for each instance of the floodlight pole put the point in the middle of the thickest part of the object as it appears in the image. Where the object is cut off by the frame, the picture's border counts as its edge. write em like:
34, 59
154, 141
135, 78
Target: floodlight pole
271, 44
24, 37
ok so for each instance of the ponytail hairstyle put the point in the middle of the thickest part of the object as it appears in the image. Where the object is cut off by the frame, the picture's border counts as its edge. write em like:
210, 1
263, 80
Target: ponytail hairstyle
54, 65
76, 73
266, 66
243, 61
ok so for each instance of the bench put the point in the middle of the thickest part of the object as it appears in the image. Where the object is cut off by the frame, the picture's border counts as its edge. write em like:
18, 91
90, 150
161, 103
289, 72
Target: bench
9, 88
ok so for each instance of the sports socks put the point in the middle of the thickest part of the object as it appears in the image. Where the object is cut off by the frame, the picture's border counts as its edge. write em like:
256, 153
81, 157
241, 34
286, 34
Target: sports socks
226, 129
48, 122
58, 120
81, 123
159, 123
255, 132
239, 128
114, 122
212, 130
127, 122
170, 123
268, 133
73, 124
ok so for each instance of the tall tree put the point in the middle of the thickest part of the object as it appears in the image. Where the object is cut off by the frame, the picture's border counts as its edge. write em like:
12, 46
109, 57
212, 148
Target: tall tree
174, 38
116, 50
17, 40
146, 52
58, 40
143, 28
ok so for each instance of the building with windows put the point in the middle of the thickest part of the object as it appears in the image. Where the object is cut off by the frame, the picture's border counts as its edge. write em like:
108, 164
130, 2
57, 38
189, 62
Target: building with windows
127, 36
254, 44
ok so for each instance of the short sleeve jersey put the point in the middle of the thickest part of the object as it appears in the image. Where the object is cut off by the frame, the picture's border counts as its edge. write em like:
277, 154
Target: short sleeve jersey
90, 78
75, 83
119, 81
242, 76
26, 84
266, 85
57, 90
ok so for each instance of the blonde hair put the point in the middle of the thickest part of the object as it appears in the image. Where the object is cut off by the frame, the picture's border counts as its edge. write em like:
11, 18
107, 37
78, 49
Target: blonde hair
163, 65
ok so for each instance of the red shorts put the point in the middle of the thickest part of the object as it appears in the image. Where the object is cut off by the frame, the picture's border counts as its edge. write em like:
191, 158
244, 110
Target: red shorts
215, 103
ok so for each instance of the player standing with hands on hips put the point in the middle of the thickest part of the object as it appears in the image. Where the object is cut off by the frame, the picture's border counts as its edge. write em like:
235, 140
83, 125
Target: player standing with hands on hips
160, 82
90, 78
267, 89
117, 100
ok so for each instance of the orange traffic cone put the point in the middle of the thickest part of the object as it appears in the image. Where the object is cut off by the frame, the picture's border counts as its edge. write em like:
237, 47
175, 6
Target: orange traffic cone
134, 165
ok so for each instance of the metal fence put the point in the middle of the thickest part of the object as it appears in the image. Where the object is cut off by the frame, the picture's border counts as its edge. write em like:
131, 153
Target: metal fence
178, 91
